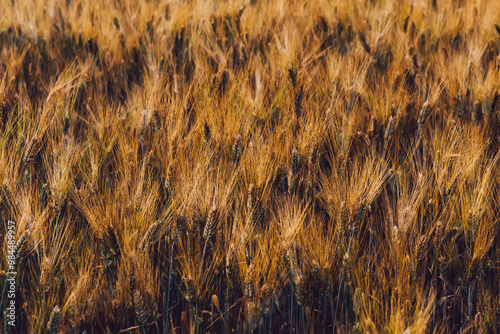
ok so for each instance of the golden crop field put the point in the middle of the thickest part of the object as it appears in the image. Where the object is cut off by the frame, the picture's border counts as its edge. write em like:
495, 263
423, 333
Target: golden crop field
250, 166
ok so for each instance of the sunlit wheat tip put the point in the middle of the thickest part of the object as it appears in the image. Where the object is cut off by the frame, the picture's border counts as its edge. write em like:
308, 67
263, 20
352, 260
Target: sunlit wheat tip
30, 150
236, 149
144, 121
149, 237
438, 236
249, 291
390, 129
22, 245
423, 113
313, 153
251, 197
345, 268
211, 224
422, 248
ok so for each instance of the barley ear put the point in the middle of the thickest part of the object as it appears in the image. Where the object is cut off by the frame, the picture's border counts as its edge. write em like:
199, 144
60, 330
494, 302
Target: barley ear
235, 157
55, 317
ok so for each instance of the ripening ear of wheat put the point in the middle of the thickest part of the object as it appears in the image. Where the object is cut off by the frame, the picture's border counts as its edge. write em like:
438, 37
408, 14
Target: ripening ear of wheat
259, 166
55, 317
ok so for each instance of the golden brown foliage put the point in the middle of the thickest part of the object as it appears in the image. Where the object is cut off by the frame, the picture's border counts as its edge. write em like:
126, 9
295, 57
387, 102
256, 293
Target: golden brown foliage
251, 166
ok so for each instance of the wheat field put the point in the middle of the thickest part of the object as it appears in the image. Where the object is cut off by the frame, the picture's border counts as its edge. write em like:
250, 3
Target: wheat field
250, 166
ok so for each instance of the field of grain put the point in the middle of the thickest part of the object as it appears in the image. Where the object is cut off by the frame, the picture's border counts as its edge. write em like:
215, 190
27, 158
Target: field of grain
252, 166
